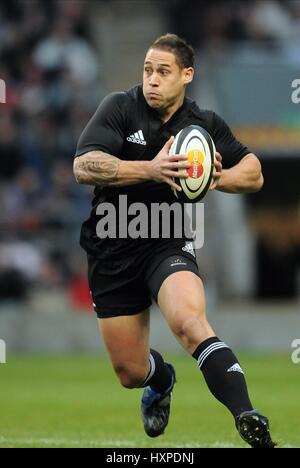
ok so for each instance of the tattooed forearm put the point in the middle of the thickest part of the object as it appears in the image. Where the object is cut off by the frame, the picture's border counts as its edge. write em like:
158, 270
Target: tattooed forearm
96, 168
104, 170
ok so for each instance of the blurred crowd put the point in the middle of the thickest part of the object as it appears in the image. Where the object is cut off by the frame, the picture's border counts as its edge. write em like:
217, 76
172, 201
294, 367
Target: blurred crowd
52, 70
218, 23
53, 84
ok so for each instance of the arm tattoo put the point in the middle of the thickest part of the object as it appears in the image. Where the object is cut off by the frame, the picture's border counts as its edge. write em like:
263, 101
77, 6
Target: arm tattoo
96, 168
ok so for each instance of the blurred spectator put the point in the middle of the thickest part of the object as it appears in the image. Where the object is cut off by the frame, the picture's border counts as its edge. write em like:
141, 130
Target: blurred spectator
64, 49
13, 285
9, 150
21, 256
270, 19
78, 290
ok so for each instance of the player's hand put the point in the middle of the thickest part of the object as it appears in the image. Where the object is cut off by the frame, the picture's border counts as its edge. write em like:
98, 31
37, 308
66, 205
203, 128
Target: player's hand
217, 172
164, 167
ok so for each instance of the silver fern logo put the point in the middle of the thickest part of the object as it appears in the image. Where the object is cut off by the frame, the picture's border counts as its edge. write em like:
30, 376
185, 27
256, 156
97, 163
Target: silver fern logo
2, 352
2, 92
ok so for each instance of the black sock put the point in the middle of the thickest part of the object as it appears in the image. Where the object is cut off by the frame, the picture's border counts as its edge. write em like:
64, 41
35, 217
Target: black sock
223, 375
159, 377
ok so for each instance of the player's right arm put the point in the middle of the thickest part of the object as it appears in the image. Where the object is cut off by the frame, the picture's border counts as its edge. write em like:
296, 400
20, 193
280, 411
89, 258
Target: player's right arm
105, 170
95, 164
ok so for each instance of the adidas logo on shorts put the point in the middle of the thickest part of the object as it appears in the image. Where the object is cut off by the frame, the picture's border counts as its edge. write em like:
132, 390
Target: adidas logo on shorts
137, 137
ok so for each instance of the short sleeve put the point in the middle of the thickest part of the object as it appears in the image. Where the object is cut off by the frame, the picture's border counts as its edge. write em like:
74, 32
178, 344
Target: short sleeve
231, 150
106, 129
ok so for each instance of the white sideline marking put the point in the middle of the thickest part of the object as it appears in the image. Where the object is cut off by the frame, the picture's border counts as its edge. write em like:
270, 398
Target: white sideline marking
48, 441
108, 443
111, 443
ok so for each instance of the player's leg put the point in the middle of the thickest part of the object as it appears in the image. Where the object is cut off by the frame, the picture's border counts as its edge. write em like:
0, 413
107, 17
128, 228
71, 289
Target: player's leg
121, 302
126, 339
182, 302
181, 298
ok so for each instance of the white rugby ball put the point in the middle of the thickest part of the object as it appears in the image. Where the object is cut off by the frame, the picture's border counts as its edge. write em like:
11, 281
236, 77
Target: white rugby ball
197, 144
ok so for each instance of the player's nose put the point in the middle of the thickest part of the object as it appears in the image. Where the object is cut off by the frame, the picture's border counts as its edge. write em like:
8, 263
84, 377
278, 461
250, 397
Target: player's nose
153, 81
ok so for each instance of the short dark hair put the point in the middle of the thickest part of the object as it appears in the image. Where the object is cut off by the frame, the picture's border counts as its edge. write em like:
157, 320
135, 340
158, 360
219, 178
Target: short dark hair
183, 52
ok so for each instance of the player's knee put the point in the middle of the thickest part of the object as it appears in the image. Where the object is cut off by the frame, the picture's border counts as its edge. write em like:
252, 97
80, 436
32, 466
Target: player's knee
192, 330
130, 376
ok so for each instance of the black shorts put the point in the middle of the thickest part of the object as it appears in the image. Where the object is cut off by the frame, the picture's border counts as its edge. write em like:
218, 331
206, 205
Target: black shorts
127, 287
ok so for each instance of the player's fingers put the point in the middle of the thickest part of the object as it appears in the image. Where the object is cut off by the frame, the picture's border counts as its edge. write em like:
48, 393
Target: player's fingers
173, 184
168, 144
178, 157
213, 185
216, 174
178, 165
215, 179
218, 156
177, 174
218, 166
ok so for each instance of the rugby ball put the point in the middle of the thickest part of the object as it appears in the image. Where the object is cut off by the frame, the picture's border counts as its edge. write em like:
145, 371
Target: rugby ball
197, 144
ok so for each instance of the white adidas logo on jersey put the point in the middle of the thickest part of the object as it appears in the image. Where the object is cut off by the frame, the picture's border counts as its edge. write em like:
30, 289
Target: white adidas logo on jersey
137, 137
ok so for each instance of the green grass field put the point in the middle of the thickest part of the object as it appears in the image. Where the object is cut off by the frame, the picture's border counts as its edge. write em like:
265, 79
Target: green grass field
77, 402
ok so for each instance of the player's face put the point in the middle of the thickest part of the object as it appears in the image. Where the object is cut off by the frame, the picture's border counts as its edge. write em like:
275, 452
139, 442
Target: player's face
163, 80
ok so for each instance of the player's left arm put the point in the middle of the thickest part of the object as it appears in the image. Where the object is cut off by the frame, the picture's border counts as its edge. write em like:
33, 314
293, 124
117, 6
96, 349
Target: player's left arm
237, 169
244, 177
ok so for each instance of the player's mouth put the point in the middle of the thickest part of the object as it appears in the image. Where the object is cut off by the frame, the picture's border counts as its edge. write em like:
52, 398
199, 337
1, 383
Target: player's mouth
152, 95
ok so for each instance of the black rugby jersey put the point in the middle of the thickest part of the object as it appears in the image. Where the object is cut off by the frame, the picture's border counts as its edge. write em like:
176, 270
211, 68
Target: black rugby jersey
125, 126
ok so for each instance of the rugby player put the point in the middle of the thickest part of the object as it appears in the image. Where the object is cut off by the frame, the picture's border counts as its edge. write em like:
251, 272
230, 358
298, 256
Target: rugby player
124, 151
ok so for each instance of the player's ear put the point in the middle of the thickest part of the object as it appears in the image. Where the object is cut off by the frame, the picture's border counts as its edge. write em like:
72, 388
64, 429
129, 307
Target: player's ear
188, 75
